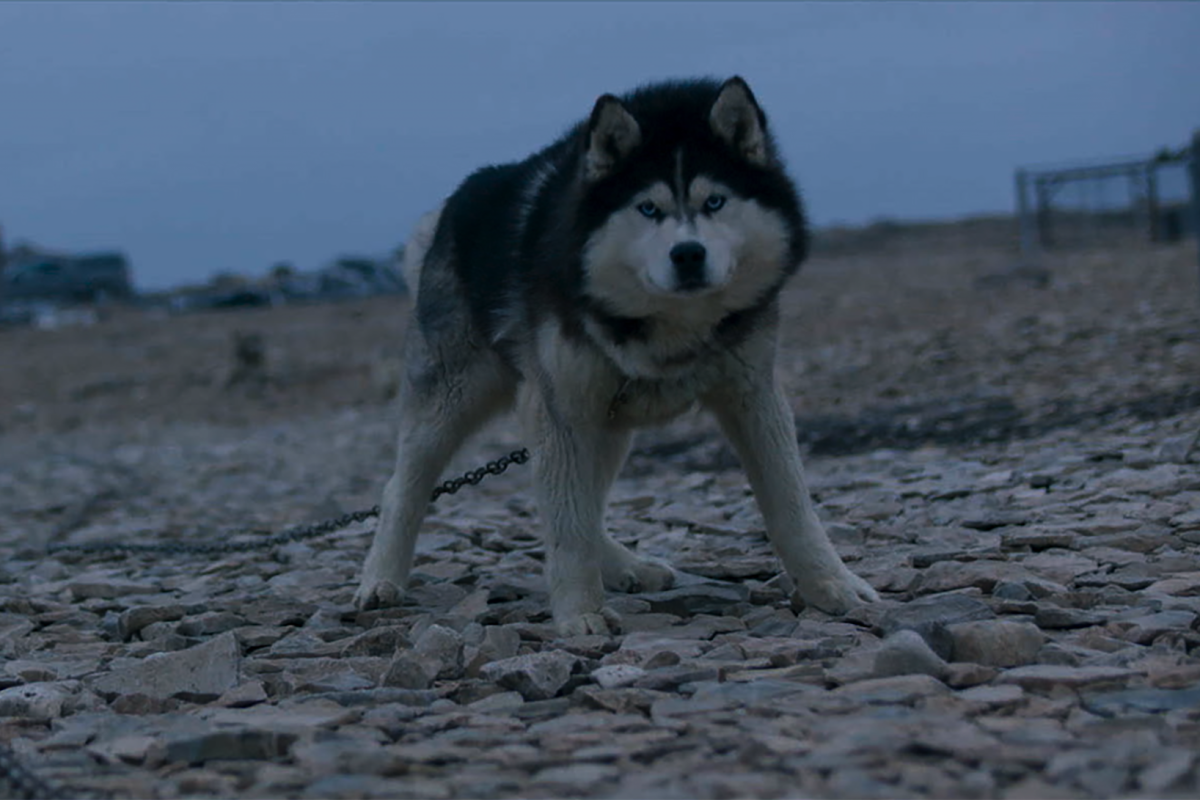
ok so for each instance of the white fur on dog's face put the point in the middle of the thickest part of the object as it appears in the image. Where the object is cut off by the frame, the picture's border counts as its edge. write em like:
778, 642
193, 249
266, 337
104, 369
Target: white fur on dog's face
627, 261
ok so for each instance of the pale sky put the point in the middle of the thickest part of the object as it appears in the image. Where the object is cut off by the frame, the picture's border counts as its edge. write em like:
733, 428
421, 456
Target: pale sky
202, 137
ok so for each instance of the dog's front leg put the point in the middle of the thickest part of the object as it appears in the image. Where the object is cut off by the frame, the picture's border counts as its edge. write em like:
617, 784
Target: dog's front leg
574, 464
755, 415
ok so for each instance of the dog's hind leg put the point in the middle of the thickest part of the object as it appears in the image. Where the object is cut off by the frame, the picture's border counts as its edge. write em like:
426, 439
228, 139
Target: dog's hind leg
754, 413
440, 406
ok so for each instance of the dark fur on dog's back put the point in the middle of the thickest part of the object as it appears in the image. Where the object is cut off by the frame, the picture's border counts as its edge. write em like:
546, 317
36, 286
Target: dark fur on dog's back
502, 221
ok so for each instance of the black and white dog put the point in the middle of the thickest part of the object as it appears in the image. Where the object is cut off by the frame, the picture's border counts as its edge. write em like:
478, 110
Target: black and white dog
614, 279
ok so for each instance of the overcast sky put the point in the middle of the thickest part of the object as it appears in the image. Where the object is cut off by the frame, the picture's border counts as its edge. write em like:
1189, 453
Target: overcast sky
202, 137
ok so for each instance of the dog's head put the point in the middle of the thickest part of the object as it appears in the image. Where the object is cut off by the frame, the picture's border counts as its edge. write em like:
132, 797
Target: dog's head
685, 196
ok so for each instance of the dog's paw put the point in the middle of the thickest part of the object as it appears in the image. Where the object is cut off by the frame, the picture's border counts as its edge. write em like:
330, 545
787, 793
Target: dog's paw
836, 594
606, 622
377, 594
636, 574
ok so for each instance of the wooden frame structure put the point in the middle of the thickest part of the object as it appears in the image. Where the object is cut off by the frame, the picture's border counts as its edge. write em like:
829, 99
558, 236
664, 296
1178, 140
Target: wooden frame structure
1042, 226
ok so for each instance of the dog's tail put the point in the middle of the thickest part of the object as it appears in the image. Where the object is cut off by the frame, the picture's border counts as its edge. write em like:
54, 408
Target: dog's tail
418, 245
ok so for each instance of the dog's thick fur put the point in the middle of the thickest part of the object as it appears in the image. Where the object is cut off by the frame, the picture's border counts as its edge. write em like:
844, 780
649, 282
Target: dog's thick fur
615, 279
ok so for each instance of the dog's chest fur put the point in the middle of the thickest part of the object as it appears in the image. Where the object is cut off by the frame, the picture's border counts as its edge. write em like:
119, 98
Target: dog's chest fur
585, 383
644, 401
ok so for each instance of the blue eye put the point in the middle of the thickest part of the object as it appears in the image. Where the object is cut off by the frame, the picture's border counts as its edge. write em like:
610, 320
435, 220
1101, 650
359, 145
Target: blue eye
648, 209
715, 202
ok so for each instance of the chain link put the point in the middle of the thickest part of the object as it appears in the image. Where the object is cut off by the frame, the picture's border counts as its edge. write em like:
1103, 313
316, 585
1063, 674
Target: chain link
473, 477
298, 533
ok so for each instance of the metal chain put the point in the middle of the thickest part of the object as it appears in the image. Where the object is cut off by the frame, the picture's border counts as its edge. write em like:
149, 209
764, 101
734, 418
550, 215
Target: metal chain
473, 477
296, 534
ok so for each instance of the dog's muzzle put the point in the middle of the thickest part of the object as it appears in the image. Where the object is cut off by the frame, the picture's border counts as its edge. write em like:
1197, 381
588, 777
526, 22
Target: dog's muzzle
689, 260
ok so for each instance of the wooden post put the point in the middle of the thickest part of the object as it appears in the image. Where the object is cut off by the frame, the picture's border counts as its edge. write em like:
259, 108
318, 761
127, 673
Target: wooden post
1194, 176
1152, 206
1025, 226
1041, 196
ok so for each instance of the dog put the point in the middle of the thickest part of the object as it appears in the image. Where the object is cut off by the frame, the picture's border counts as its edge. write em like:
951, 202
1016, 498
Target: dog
624, 274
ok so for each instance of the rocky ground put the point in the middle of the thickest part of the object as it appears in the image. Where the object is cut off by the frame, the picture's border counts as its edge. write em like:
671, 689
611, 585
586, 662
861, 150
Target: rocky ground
1013, 465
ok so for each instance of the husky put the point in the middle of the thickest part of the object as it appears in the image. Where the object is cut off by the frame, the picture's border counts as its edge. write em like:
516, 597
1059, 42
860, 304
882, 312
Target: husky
626, 273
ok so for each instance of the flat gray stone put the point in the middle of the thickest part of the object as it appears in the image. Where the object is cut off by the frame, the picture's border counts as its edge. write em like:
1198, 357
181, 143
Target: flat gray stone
898, 690
209, 623
107, 588
382, 641
347, 681
960, 674
378, 696
1144, 630
1038, 539
537, 676
1169, 769
1011, 591
645, 645
702, 598
206, 670
499, 642
576, 778
1146, 539
244, 695
442, 646
1060, 618
761, 692
499, 703
615, 676
1146, 701
993, 697
230, 745
993, 520
906, 653
995, 643
1184, 584
288, 717
132, 620
929, 616
301, 644
38, 701
1047, 676
410, 671
945, 576
1176, 449
1130, 576
672, 677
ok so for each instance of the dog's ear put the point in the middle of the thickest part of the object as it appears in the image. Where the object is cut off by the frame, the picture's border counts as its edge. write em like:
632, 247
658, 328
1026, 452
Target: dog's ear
612, 134
736, 118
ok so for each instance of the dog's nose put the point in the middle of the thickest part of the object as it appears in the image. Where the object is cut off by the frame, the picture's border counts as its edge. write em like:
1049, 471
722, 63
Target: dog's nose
686, 254
688, 258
